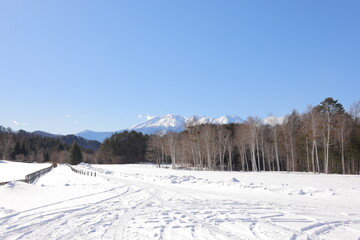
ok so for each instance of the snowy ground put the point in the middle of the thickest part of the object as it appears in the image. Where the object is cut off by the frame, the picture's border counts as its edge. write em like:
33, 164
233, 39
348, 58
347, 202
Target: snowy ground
145, 202
10, 171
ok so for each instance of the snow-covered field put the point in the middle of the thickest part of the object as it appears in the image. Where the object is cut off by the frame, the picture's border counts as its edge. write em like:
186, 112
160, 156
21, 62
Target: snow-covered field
145, 202
10, 171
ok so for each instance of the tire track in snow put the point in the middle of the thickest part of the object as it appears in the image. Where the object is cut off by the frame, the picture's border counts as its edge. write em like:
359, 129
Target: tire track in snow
200, 223
321, 229
128, 215
31, 222
153, 197
206, 217
156, 196
264, 227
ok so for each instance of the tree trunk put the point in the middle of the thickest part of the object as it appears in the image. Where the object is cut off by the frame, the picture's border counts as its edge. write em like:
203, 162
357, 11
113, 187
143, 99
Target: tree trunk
276, 149
257, 153
307, 155
292, 151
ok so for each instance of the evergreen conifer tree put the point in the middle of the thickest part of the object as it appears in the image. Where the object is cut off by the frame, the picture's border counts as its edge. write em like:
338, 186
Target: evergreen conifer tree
17, 150
23, 149
46, 157
76, 156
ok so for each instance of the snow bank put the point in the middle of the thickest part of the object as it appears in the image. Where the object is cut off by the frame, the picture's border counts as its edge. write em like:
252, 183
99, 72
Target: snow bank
10, 171
283, 183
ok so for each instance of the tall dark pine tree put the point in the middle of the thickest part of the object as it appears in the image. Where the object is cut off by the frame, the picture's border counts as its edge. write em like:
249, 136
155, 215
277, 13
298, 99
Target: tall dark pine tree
17, 151
46, 157
329, 108
76, 156
23, 149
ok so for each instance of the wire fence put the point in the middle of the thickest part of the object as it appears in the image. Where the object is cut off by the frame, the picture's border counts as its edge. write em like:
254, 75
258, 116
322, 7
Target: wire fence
19, 180
83, 172
33, 177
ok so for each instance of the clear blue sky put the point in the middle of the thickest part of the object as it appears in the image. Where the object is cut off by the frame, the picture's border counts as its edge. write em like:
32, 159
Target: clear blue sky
67, 66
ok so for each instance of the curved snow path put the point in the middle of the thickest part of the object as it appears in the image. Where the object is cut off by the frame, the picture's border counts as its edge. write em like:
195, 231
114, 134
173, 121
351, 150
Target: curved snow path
120, 207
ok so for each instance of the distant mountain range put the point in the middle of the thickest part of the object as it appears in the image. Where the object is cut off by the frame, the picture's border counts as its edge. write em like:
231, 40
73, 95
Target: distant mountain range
175, 123
67, 139
164, 124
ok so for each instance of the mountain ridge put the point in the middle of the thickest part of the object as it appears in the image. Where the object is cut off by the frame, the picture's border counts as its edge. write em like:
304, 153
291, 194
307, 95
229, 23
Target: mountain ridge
163, 124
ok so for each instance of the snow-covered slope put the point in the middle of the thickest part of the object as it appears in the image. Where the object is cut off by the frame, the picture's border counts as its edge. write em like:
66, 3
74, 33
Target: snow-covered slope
10, 170
273, 120
167, 123
226, 119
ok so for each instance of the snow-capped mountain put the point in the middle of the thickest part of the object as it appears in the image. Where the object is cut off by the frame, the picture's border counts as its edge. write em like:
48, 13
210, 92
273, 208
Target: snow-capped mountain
167, 123
226, 119
177, 123
274, 120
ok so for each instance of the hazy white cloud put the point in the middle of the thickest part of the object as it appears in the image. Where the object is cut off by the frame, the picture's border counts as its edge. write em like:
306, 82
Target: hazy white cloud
148, 117
71, 119
19, 123
139, 116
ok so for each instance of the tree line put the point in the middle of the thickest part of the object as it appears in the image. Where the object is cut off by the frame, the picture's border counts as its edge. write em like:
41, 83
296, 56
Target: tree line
123, 147
324, 139
28, 147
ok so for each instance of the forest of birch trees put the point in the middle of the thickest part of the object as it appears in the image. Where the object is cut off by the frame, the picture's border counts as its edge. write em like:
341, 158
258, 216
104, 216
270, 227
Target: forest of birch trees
325, 139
